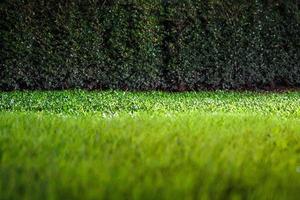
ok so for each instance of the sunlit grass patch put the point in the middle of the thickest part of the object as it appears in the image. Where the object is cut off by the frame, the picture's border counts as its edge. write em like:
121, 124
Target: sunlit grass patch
115, 145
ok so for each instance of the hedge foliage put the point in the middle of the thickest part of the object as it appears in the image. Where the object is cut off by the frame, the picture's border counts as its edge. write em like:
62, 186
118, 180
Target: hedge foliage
149, 44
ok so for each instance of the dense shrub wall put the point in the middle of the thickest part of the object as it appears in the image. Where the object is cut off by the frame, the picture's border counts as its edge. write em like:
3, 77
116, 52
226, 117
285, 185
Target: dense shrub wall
149, 44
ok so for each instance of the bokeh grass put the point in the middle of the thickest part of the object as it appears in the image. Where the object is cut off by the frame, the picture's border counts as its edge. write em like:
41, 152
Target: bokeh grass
151, 145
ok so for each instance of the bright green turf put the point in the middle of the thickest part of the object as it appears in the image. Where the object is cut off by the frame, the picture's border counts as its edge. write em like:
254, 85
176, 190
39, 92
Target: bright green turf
116, 145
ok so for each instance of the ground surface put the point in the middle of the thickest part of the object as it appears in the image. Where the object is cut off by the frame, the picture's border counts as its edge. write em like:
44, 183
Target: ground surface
119, 145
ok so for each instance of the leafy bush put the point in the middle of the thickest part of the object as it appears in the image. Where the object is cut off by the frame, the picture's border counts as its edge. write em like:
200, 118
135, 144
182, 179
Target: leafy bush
234, 44
143, 44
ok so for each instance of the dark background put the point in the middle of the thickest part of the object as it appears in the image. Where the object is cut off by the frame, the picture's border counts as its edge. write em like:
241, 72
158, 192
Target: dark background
174, 45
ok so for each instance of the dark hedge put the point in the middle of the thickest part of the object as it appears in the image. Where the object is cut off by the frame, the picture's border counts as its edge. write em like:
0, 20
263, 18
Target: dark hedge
149, 44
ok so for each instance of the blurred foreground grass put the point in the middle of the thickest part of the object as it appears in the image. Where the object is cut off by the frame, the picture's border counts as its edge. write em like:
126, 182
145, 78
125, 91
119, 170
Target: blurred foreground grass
153, 145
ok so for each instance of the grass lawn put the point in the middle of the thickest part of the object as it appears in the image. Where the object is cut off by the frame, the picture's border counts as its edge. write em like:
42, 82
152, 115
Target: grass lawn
151, 145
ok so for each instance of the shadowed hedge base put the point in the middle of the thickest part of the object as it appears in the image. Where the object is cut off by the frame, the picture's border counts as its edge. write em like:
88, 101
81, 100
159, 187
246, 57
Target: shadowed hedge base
149, 44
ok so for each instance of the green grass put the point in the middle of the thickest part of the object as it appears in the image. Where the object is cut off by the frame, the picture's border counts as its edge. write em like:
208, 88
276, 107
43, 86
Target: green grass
152, 145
